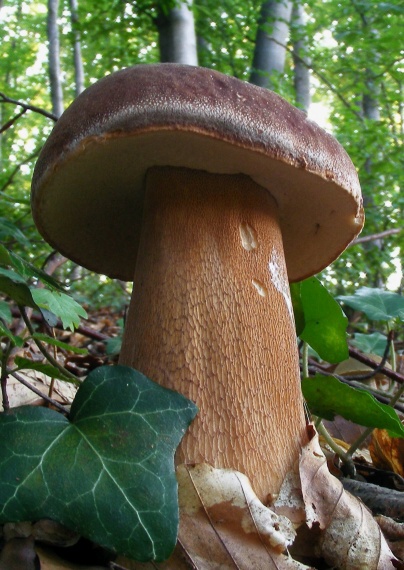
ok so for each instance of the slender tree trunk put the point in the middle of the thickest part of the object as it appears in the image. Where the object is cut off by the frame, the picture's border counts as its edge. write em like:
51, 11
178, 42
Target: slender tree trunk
177, 38
55, 74
301, 77
78, 60
272, 34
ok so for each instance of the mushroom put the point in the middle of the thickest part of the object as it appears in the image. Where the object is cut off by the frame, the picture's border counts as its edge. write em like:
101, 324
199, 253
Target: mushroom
209, 193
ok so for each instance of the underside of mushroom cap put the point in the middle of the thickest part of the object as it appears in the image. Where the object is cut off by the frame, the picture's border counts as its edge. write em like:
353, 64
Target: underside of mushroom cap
88, 182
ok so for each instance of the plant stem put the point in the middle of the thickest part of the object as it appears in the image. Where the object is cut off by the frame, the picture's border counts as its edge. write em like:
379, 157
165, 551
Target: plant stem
47, 355
39, 393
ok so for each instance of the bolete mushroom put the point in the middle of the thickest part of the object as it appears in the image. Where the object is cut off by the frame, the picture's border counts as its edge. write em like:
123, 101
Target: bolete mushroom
209, 193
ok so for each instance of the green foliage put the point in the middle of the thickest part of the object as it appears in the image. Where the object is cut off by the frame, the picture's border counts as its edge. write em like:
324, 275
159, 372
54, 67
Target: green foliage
377, 304
108, 471
373, 343
61, 305
328, 397
320, 320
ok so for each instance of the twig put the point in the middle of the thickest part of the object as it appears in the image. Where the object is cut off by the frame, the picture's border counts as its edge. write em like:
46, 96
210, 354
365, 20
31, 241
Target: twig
27, 107
11, 122
375, 237
49, 357
85, 331
323, 79
369, 362
38, 392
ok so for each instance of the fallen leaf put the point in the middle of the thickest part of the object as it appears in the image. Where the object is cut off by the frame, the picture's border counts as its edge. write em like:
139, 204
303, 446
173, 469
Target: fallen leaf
224, 525
387, 452
19, 554
350, 538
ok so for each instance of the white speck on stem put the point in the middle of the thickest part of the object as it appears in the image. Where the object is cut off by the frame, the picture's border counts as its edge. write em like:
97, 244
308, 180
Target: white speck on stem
248, 237
262, 290
281, 284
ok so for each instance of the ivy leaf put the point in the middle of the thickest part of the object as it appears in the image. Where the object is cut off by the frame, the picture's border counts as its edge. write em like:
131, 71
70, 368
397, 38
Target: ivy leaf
61, 305
327, 397
108, 473
324, 322
374, 343
377, 304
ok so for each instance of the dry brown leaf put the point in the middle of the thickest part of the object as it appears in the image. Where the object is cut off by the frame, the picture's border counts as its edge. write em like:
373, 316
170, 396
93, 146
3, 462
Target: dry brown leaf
387, 452
20, 395
394, 533
223, 522
223, 525
350, 538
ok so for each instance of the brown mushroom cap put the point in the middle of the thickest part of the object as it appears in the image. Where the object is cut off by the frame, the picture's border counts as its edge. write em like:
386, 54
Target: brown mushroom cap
87, 184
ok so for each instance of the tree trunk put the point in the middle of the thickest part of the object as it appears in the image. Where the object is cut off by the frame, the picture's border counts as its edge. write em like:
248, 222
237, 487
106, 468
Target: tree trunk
55, 74
301, 77
177, 39
272, 34
78, 61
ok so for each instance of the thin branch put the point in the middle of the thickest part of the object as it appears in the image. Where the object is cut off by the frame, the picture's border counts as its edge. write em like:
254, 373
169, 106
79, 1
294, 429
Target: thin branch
38, 392
17, 168
374, 237
373, 364
11, 122
27, 107
323, 79
43, 350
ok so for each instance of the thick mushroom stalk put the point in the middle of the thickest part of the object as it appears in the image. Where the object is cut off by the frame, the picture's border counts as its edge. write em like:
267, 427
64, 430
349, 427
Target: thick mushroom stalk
199, 186
211, 317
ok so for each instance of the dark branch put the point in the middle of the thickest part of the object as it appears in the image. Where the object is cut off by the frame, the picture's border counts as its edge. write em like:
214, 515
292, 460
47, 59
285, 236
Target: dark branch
27, 107
375, 237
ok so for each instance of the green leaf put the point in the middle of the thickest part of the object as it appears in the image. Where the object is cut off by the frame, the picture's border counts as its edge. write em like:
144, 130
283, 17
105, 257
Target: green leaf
113, 345
16, 289
55, 342
47, 369
17, 340
325, 323
5, 258
327, 397
377, 304
108, 473
63, 306
374, 343
25, 269
5, 312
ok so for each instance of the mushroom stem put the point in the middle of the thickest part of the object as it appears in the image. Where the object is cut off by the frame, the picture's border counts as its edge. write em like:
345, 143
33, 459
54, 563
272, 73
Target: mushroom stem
211, 317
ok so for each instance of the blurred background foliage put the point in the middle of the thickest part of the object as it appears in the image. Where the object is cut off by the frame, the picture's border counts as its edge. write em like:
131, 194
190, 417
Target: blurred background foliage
352, 49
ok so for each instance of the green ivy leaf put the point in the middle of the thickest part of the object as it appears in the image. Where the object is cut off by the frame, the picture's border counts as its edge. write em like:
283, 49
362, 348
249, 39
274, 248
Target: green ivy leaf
61, 305
377, 304
374, 343
327, 397
108, 473
324, 322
